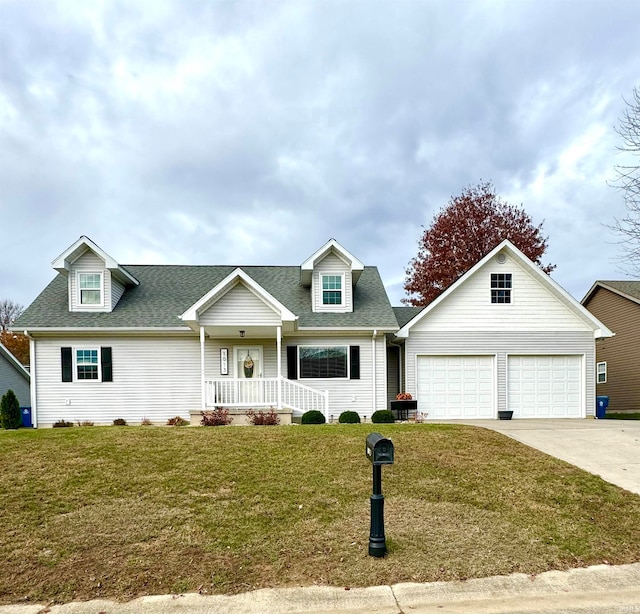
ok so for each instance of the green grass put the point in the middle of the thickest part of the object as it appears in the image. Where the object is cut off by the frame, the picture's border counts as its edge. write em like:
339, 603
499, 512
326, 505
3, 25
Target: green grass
122, 512
622, 415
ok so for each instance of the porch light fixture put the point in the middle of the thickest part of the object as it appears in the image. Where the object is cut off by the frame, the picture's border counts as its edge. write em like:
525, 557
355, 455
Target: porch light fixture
241, 334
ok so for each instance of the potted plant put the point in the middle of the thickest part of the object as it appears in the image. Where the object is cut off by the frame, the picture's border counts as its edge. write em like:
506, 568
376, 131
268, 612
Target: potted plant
403, 404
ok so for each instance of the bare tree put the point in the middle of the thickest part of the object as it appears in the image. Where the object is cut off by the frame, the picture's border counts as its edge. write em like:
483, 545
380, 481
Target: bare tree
9, 312
628, 181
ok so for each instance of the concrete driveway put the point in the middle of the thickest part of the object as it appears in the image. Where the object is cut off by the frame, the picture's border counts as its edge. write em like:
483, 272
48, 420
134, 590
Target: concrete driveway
608, 448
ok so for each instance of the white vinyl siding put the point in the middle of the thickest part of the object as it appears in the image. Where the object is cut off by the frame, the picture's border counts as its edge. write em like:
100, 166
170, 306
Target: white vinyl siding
349, 394
240, 307
153, 377
117, 290
333, 266
89, 263
533, 308
456, 387
502, 344
545, 386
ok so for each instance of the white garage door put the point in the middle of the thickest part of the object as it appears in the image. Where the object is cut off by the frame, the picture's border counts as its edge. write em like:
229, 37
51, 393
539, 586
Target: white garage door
456, 386
544, 386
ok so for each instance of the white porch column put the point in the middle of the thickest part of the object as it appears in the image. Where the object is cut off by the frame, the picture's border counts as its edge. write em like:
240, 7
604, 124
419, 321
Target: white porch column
375, 367
279, 360
203, 386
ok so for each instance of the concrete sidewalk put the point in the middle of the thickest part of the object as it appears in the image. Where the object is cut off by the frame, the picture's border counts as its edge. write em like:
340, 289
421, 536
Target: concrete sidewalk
608, 448
600, 589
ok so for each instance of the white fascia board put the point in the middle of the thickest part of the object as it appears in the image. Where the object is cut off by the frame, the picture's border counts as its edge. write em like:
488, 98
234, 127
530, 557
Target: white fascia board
545, 279
225, 285
16, 363
341, 331
306, 268
63, 262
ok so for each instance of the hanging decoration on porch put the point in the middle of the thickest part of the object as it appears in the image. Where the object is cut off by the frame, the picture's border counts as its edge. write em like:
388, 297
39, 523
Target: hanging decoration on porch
248, 366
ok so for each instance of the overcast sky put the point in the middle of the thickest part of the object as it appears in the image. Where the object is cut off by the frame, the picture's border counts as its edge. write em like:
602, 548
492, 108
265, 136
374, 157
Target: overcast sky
196, 132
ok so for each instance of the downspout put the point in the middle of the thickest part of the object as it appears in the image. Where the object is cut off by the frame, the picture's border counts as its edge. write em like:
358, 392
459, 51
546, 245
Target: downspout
279, 354
373, 349
33, 395
203, 386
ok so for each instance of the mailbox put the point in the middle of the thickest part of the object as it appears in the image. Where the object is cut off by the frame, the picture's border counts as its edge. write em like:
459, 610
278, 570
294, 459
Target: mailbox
379, 449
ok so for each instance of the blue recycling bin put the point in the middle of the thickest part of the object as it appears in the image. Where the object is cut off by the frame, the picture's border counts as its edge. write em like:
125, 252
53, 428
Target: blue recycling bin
26, 417
601, 406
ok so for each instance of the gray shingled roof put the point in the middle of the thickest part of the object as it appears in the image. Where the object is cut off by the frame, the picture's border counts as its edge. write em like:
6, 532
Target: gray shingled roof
166, 291
406, 314
631, 288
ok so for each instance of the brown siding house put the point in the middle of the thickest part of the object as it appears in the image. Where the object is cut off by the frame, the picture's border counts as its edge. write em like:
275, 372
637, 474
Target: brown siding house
617, 305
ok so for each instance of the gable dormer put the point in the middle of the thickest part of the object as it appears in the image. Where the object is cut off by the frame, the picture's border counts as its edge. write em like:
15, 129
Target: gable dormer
331, 273
96, 282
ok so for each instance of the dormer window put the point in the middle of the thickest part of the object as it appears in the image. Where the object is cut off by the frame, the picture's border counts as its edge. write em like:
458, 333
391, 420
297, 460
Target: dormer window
90, 289
332, 290
501, 287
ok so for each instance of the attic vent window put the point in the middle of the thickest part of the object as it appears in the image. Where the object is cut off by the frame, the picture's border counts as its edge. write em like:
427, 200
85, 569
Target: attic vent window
332, 289
90, 288
501, 287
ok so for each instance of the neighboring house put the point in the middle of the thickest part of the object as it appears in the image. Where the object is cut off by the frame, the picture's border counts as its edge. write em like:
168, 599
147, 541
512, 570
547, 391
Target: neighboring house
131, 341
13, 376
617, 304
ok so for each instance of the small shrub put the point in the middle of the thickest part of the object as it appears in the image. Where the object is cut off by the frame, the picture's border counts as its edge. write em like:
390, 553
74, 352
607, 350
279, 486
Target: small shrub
146, 422
383, 416
119, 422
10, 416
177, 421
62, 424
349, 417
217, 417
261, 418
313, 416
85, 423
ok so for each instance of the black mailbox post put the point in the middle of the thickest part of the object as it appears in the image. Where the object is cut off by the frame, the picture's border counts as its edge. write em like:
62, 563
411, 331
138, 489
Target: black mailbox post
380, 452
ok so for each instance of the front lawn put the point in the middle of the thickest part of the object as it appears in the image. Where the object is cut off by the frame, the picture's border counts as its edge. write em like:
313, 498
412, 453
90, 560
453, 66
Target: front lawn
119, 512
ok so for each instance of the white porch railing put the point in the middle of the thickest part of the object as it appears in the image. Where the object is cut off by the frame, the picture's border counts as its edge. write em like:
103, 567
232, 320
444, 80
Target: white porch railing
263, 392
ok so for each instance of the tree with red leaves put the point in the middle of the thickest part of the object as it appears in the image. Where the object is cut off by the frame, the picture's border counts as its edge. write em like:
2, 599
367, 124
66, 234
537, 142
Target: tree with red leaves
461, 234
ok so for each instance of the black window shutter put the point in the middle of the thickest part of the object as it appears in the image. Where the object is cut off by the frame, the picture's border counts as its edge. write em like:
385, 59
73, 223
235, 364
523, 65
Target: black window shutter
105, 361
292, 362
354, 360
67, 364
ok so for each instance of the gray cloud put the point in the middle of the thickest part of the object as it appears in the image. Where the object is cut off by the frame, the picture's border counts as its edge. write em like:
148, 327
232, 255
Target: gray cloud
252, 132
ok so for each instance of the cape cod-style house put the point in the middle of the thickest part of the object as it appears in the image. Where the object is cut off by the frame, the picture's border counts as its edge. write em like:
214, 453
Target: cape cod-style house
155, 341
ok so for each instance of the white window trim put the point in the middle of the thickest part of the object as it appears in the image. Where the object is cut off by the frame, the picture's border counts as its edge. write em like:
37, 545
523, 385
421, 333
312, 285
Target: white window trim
324, 345
511, 291
604, 362
75, 351
79, 303
342, 302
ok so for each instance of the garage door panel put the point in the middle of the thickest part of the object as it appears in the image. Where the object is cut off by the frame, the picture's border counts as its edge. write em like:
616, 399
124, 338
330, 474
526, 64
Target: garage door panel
544, 386
456, 386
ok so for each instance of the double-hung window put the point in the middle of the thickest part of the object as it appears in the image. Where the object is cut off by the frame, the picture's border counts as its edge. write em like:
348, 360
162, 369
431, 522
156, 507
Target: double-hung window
500, 287
90, 288
332, 289
601, 371
324, 361
87, 363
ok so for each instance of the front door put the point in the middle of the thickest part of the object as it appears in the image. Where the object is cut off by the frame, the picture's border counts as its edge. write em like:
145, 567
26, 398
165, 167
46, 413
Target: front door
249, 366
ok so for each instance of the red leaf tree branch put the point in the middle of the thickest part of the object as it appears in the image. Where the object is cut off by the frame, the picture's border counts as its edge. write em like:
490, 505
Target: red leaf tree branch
463, 232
